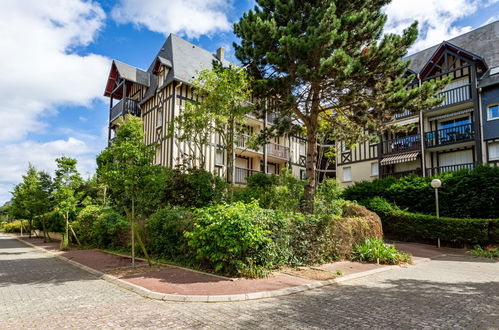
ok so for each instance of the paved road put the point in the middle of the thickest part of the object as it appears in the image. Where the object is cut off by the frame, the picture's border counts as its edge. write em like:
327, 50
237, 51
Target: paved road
38, 291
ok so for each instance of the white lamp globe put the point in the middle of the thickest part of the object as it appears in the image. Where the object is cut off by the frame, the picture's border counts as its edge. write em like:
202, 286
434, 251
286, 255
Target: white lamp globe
436, 183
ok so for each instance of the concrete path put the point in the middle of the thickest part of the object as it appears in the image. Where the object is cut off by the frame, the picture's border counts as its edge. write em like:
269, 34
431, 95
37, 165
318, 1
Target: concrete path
38, 291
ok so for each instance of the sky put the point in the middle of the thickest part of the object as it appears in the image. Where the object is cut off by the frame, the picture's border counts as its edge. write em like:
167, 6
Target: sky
56, 55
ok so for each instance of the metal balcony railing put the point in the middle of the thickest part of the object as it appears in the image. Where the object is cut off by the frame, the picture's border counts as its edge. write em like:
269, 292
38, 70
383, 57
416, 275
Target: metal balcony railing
454, 96
125, 106
449, 168
449, 135
402, 174
278, 151
241, 174
402, 144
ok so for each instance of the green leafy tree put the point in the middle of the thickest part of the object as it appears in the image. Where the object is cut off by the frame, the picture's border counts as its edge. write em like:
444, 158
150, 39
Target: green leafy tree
225, 99
126, 167
31, 198
67, 181
330, 57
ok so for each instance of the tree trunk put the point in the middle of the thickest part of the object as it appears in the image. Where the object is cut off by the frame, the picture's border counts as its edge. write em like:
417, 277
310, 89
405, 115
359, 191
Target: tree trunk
44, 229
30, 227
142, 246
311, 162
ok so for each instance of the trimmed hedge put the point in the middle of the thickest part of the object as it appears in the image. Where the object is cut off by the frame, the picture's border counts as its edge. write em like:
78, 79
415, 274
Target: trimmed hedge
464, 194
408, 226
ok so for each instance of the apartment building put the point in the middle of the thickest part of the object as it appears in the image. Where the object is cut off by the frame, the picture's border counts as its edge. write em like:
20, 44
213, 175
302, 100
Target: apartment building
159, 93
460, 133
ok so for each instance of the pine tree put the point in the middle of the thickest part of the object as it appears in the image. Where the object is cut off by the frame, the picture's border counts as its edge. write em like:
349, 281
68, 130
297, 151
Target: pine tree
330, 59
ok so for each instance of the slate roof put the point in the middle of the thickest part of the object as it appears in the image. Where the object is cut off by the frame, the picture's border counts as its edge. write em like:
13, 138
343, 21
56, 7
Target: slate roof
184, 58
132, 73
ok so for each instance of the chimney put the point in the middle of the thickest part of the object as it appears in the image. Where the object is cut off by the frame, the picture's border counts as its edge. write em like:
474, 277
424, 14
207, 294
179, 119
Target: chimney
220, 54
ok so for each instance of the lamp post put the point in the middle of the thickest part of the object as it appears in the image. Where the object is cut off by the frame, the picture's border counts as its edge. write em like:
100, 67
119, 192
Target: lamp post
436, 183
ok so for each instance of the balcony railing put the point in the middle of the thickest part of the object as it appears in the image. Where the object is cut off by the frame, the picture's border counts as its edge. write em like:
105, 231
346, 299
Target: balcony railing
278, 151
242, 143
402, 174
241, 174
454, 96
406, 113
449, 135
125, 106
449, 168
402, 144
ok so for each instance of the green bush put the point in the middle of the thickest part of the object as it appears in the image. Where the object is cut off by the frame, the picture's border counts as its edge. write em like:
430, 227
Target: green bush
165, 232
408, 226
84, 224
328, 198
464, 194
237, 238
282, 192
195, 188
478, 251
109, 229
376, 251
15, 226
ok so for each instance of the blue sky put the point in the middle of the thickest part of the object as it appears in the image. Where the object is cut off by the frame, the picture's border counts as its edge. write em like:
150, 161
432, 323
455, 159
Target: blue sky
59, 52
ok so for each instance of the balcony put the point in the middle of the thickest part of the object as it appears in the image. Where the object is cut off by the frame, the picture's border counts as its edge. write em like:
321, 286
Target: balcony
451, 135
242, 143
402, 174
277, 151
402, 144
406, 113
125, 106
241, 174
454, 96
449, 168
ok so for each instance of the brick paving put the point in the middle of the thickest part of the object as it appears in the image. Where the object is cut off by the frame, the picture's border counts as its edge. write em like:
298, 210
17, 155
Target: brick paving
38, 291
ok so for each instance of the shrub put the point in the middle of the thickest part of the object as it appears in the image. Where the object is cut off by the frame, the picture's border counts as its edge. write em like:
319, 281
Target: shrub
110, 229
84, 224
282, 192
165, 232
195, 188
15, 226
478, 251
328, 198
237, 238
375, 250
322, 238
464, 194
408, 226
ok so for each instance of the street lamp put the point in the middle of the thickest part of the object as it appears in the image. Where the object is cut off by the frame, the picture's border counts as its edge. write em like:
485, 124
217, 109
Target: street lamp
436, 183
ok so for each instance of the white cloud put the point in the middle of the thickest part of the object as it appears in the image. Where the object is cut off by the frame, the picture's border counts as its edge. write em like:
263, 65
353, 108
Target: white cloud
435, 17
40, 69
16, 156
190, 18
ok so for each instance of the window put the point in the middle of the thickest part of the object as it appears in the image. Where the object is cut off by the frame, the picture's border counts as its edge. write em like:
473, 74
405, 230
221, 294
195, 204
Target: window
493, 112
158, 155
345, 147
374, 169
494, 151
302, 175
455, 122
302, 149
219, 157
159, 121
347, 174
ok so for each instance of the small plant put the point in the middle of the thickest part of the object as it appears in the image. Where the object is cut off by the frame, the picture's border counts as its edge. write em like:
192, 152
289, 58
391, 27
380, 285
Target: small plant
339, 272
376, 251
478, 251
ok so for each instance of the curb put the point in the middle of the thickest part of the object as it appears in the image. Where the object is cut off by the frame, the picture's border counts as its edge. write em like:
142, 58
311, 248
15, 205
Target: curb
213, 298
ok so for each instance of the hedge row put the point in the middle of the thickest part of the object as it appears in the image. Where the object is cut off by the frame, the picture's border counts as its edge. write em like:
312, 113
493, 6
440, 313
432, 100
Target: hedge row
464, 194
403, 225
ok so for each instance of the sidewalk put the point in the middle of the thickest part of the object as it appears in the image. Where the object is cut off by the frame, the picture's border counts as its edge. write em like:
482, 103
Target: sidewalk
167, 282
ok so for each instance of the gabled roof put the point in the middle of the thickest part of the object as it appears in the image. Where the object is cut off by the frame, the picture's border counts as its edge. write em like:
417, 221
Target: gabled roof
184, 58
469, 56
483, 41
127, 72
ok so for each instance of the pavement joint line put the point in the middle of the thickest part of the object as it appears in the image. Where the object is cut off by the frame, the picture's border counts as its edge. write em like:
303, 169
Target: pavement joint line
146, 293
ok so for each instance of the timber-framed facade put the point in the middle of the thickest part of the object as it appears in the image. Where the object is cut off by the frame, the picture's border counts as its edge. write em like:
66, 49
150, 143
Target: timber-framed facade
459, 133
159, 94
